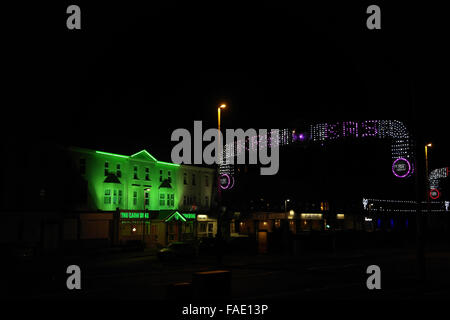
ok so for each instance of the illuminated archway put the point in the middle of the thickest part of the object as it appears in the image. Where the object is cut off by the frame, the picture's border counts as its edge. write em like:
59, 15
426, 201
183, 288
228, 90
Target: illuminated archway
402, 151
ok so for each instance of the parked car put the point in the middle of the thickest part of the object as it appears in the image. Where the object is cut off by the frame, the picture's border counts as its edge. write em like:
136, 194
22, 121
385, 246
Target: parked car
178, 250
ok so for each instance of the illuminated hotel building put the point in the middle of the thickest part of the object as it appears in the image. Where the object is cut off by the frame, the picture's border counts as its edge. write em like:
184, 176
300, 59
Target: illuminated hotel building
137, 197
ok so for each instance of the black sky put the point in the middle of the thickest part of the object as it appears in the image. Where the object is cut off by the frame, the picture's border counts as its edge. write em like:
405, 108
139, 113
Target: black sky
136, 72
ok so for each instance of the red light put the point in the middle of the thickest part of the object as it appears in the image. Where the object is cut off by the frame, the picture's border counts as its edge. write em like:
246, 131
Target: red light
436, 192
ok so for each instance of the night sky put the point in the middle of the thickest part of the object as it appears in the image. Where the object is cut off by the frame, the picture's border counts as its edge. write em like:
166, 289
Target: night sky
135, 73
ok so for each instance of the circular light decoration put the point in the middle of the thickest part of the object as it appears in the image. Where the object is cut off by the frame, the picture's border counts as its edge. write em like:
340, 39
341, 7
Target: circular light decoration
434, 194
226, 181
232, 182
401, 168
298, 137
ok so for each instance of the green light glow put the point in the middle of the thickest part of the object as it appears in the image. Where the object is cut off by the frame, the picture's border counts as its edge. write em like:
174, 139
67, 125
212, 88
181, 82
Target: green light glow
132, 190
177, 217
134, 215
146, 152
168, 164
189, 215
112, 154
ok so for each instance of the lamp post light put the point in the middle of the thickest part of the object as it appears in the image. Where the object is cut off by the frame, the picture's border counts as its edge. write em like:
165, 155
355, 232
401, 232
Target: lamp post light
285, 207
219, 150
427, 181
219, 189
286, 227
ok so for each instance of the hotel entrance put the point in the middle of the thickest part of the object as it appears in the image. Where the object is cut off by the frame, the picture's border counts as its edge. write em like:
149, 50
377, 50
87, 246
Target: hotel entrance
172, 226
134, 226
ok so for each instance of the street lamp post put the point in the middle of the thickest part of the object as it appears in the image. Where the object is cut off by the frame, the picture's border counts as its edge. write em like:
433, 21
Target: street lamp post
286, 227
219, 152
427, 182
420, 220
219, 189
285, 207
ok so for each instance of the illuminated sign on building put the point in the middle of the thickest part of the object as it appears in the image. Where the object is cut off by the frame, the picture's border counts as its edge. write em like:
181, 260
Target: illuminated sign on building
189, 215
134, 215
311, 216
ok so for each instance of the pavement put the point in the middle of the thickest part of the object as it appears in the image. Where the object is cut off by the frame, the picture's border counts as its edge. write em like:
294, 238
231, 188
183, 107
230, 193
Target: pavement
140, 275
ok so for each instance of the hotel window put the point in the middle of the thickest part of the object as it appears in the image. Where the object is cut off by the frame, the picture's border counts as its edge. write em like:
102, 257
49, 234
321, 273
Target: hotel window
106, 168
185, 179
120, 196
107, 199
193, 179
82, 166
168, 200
206, 181
135, 175
146, 198
114, 196
135, 198
184, 200
118, 171
172, 200
169, 177
202, 226
147, 174
161, 199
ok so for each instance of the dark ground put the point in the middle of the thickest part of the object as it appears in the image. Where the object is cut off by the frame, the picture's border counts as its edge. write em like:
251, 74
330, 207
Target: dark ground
140, 275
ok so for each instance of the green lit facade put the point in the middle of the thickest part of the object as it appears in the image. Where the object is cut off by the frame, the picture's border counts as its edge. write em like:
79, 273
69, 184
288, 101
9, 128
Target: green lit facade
141, 182
146, 199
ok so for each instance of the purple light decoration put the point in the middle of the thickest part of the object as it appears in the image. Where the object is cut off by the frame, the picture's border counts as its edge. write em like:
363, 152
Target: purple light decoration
229, 180
350, 128
331, 130
407, 173
232, 185
301, 137
254, 143
371, 128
